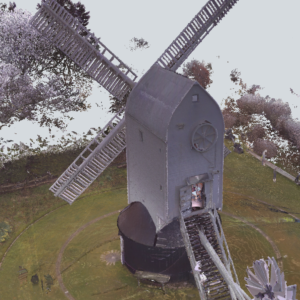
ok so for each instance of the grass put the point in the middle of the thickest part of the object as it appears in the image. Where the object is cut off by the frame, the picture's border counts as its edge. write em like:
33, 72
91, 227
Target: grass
22, 208
37, 249
245, 175
87, 277
30, 167
245, 244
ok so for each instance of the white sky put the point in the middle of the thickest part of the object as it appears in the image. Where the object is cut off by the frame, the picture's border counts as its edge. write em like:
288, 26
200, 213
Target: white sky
258, 37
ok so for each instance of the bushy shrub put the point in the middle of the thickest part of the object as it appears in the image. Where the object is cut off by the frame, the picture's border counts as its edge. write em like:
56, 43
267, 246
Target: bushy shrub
4, 231
274, 109
260, 145
257, 132
243, 120
229, 120
232, 119
251, 104
289, 129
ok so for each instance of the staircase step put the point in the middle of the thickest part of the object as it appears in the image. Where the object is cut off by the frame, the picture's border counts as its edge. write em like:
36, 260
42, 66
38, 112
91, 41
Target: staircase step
221, 286
209, 266
201, 250
202, 255
226, 297
193, 229
213, 280
197, 218
210, 271
219, 297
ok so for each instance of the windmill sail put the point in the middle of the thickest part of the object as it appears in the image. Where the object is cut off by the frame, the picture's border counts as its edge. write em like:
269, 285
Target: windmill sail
194, 33
92, 161
60, 27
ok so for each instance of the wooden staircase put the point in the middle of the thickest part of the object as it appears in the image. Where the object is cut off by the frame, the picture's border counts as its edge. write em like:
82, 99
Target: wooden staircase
214, 287
208, 251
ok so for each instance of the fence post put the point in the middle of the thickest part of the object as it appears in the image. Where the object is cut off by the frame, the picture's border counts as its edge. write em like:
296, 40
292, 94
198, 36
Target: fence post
274, 175
297, 179
264, 158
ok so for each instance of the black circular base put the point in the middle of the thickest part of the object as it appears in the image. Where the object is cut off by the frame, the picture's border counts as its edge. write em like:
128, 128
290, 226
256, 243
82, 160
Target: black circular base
145, 250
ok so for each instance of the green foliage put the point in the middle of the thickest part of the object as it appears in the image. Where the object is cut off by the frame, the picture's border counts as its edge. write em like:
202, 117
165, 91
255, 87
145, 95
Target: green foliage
5, 228
27, 163
34, 166
49, 283
49, 280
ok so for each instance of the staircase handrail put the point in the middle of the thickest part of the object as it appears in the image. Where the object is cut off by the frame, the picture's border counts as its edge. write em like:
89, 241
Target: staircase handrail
235, 289
221, 238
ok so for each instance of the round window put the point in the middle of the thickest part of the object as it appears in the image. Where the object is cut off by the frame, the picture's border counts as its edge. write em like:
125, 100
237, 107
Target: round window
204, 137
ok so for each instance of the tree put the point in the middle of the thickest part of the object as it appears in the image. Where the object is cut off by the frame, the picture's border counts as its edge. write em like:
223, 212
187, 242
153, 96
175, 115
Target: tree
139, 44
77, 10
25, 58
11, 7
240, 113
292, 91
117, 105
199, 71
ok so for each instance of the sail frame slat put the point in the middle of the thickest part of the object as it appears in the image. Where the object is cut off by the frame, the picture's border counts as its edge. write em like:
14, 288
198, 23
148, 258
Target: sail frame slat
207, 18
75, 46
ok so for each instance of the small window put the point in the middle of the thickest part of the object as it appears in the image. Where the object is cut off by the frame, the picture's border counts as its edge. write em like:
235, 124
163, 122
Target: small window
141, 136
180, 126
161, 187
195, 98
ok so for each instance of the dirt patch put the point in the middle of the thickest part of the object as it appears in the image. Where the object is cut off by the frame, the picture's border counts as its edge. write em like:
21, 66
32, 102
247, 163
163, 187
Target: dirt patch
111, 257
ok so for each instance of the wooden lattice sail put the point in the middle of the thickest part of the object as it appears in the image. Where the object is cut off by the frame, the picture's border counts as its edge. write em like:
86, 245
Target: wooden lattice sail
194, 33
60, 27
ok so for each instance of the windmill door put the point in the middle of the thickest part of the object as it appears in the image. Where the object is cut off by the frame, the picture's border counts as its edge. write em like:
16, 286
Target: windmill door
193, 198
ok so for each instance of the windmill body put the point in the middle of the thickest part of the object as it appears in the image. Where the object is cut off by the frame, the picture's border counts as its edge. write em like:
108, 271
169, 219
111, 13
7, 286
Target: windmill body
162, 114
174, 134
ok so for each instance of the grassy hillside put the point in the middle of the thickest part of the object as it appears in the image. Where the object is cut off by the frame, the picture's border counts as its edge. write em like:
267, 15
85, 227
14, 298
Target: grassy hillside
246, 184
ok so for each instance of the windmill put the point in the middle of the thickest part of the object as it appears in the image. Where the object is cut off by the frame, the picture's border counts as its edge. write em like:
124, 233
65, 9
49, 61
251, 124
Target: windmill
175, 154
263, 286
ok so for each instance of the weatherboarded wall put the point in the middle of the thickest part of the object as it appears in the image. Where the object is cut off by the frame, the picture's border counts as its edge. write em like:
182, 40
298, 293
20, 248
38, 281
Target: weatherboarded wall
146, 165
161, 117
183, 160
